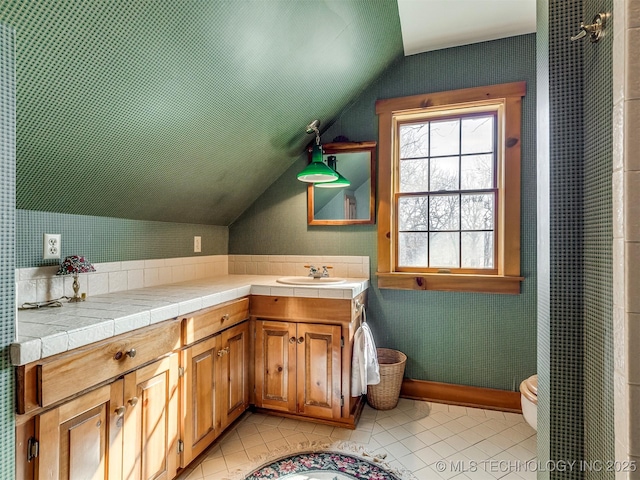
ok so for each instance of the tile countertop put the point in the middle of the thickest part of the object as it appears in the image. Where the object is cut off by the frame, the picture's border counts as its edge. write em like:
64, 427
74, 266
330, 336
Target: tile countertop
49, 331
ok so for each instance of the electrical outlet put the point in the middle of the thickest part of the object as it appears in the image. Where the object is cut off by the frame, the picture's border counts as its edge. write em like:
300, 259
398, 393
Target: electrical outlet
197, 244
51, 246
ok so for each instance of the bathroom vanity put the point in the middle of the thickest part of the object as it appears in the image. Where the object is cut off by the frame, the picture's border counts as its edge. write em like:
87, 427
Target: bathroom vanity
145, 403
303, 350
102, 408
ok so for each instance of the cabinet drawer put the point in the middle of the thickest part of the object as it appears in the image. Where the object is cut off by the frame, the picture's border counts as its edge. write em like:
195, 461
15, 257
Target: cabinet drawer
205, 323
69, 374
299, 309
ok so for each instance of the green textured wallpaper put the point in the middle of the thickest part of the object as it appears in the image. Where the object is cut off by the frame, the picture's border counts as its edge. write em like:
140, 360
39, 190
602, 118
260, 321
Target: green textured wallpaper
103, 239
163, 106
471, 339
7, 248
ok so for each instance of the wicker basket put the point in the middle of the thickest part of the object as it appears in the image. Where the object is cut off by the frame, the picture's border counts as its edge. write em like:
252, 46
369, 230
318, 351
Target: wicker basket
384, 396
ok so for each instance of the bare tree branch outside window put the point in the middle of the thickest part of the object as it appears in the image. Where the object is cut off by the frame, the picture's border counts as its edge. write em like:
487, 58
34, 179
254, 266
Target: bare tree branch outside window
446, 199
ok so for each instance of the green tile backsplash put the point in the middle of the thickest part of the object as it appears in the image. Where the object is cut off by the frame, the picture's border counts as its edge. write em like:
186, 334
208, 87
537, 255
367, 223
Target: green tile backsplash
470, 339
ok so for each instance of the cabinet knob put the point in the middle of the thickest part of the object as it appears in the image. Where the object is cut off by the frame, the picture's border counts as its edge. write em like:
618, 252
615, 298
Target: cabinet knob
133, 401
223, 351
120, 411
300, 339
225, 317
129, 353
292, 340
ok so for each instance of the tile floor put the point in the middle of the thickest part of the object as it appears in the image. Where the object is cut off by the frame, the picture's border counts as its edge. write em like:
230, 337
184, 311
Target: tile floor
433, 441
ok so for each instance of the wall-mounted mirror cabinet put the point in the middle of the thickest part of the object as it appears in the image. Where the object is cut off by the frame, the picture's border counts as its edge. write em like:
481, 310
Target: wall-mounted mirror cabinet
345, 205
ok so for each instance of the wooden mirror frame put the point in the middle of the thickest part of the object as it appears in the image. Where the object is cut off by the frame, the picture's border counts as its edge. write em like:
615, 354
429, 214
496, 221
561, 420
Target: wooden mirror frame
346, 147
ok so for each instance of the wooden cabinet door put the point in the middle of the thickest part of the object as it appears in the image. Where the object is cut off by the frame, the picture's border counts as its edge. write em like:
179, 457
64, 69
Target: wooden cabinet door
275, 365
150, 432
319, 374
82, 439
233, 379
200, 425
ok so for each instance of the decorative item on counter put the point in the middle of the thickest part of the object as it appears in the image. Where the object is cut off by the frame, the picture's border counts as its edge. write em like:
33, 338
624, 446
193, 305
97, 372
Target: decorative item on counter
317, 171
73, 265
36, 305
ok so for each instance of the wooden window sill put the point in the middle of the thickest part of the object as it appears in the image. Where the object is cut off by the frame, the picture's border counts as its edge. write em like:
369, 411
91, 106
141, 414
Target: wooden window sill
450, 282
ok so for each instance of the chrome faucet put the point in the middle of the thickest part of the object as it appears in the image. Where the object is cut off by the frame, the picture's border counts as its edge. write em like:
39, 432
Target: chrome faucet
316, 272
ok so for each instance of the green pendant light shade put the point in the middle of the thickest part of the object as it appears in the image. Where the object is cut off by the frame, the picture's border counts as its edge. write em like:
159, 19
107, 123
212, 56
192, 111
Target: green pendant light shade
340, 182
317, 171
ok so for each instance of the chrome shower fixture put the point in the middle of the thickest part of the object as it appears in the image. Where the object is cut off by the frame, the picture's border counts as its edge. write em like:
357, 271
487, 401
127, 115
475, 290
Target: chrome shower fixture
595, 30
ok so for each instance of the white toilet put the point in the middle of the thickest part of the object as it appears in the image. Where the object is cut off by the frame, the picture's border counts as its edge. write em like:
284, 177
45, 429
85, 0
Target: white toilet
529, 400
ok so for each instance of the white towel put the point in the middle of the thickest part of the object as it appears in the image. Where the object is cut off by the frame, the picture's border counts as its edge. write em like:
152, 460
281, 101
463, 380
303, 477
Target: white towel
364, 363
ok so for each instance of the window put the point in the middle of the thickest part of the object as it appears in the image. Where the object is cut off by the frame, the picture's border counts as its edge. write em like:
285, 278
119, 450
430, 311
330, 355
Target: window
449, 200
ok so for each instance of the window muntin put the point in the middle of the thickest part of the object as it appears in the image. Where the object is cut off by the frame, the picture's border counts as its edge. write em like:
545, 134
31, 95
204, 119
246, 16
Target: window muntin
446, 195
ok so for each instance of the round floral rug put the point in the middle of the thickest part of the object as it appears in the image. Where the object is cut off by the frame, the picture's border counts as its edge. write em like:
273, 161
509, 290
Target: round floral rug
321, 466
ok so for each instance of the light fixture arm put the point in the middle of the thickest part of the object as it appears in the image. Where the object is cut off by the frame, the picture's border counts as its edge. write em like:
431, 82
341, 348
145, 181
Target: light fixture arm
313, 128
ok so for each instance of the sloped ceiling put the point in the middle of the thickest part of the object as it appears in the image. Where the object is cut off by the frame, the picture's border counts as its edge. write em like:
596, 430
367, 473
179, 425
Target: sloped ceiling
181, 110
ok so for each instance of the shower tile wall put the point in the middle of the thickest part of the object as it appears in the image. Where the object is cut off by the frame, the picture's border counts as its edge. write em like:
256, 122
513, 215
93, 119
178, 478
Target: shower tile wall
566, 125
7, 247
576, 288
560, 310
599, 435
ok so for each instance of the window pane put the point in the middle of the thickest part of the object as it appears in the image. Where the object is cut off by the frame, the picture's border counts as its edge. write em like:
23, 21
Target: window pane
445, 137
477, 212
444, 249
477, 249
413, 213
477, 172
414, 140
414, 175
444, 212
444, 173
477, 134
412, 249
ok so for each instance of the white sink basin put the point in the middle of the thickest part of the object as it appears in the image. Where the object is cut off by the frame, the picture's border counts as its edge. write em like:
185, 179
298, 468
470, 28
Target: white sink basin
310, 280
